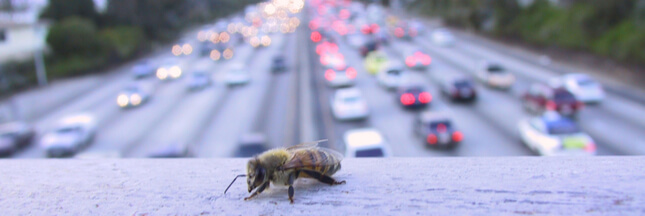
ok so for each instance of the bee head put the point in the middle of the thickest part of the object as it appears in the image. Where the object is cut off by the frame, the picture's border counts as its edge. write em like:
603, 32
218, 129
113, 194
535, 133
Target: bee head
256, 174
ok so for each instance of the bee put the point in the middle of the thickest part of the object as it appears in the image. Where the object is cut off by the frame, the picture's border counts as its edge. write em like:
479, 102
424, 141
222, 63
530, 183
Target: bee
283, 166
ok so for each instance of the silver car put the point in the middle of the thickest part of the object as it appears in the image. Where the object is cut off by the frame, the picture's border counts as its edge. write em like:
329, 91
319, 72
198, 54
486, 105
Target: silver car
72, 135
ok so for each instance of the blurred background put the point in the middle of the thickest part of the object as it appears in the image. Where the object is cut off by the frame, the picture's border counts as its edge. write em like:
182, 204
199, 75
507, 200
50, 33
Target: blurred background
377, 78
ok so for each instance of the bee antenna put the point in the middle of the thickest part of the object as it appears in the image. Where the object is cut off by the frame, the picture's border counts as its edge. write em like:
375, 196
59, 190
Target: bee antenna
229, 186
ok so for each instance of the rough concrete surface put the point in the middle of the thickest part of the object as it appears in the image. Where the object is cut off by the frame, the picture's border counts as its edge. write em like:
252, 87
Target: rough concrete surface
394, 186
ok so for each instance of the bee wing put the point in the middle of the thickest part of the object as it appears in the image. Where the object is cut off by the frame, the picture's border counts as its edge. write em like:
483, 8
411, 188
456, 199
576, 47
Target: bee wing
305, 145
313, 157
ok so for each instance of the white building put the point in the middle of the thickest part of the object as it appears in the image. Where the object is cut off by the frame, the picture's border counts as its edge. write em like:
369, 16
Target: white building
19, 40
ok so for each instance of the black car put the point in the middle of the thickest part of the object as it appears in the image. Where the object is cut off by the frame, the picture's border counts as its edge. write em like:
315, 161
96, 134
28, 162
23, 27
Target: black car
459, 88
251, 145
278, 64
14, 136
369, 46
437, 130
413, 96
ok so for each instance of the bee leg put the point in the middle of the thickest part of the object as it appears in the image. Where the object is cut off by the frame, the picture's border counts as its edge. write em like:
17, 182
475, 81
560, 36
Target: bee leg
292, 178
322, 178
258, 191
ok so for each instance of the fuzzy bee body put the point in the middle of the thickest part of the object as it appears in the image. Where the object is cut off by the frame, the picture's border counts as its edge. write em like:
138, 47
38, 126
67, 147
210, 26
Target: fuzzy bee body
284, 165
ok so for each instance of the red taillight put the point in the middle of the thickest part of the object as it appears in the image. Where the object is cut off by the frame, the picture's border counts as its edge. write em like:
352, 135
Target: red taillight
441, 128
425, 97
398, 32
315, 36
330, 74
426, 60
551, 105
431, 139
580, 105
407, 99
365, 29
410, 61
375, 28
591, 147
351, 73
457, 136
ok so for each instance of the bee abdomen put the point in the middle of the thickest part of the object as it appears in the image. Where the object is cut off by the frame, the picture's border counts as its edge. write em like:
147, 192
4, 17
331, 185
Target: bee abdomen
319, 161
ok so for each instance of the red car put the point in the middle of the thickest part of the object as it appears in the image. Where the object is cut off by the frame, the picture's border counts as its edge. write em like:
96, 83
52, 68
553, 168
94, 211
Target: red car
541, 98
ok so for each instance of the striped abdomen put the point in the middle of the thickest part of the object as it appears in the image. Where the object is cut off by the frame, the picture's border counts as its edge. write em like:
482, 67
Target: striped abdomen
317, 160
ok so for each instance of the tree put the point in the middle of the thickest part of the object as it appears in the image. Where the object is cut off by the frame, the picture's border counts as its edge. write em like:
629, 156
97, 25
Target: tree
74, 36
60, 9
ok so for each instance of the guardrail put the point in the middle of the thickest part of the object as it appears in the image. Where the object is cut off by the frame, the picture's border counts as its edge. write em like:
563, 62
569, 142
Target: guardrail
393, 186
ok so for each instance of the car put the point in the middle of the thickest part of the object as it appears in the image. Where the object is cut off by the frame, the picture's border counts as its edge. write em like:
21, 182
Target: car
14, 136
340, 78
392, 77
278, 64
404, 31
142, 69
375, 62
417, 60
169, 71
541, 98
357, 40
458, 88
198, 80
72, 134
437, 130
368, 47
133, 95
495, 75
349, 104
582, 86
251, 144
237, 75
381, 37
333, 60
555, 135
365, 142
413, 96
173, 150
443, 37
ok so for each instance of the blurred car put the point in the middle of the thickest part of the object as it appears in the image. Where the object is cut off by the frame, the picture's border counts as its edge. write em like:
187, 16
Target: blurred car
340, 78
375, 61
142, 69
402, 30
251, 145
417, 60
169, 70
174, 150
443, 37
368, 47
495, 75
133, 95
70, 136
540, 98
198, 80
278, 64
349, 104
582, 86
555, 135
392, 77
437, 129
459, 88
413, 96
381, 37
237, 75
366, 142
14, 136
333, 60
356, 40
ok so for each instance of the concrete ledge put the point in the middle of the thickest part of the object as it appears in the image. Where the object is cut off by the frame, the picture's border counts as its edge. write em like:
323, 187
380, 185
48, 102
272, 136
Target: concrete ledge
401, 186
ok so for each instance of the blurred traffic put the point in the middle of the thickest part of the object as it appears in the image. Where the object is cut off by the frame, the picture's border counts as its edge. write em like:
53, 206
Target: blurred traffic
374, 82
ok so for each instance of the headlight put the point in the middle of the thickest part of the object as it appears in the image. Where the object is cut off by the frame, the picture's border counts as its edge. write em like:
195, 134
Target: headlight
175, 72
135, 99
122, 100
162, 73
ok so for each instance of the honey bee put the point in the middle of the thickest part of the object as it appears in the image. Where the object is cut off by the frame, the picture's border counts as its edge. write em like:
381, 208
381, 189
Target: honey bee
283, 166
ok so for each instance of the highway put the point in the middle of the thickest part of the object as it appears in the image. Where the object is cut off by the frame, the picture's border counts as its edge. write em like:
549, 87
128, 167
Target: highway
294, 106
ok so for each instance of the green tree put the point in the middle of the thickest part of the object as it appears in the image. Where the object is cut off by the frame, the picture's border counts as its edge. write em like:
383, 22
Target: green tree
74, 36
60, 9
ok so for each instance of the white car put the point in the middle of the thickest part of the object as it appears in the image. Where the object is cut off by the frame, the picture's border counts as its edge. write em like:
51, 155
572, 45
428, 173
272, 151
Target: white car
237, 75
554, 135
495, 75
340, 78
198, 80
169, 71
443, 37
134, 95
582, 86
366, 142
72, 134
349, 104
392, 77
